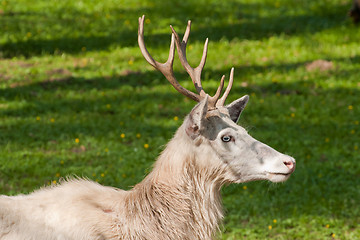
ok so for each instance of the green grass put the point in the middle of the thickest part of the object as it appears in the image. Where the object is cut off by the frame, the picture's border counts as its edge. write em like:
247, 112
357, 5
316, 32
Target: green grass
72, 70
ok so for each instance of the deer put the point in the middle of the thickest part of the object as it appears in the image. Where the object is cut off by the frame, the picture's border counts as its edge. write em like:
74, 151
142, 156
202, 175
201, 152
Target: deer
180, 198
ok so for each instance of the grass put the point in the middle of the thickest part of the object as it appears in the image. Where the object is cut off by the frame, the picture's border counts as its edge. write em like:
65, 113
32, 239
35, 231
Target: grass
77, 98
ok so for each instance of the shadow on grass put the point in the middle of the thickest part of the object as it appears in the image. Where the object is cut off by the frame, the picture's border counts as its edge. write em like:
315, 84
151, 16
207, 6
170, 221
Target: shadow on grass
58, 31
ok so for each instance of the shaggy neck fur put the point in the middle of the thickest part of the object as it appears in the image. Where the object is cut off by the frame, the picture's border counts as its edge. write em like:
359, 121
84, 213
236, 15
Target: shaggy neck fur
179, 198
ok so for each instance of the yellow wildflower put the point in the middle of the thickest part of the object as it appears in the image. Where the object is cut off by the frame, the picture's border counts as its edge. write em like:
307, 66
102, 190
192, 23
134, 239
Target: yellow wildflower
270, 227
38, 118
244, 187
274, 221
84, 62
138, 135
122, 135
146, 145
350, 107
52, 120
77, 140
176, 118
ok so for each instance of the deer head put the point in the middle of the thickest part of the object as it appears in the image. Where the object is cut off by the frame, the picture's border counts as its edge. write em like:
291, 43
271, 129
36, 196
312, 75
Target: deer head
211, 127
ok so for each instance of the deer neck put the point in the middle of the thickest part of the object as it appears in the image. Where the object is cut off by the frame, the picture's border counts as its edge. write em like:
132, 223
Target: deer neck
187, 191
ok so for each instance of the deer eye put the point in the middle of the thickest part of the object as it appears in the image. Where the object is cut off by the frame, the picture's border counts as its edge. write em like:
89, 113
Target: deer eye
226, 138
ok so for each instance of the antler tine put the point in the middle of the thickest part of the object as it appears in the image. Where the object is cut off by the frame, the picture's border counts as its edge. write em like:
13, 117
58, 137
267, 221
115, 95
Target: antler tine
221, 101
214, 99
165, 68
194, 73
187, 32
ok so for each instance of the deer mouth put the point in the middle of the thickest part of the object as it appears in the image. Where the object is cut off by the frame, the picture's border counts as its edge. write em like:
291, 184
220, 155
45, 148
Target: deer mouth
277, 176
280, 174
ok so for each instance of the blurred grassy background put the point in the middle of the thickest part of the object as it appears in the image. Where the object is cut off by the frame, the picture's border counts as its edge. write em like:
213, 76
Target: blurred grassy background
77, 98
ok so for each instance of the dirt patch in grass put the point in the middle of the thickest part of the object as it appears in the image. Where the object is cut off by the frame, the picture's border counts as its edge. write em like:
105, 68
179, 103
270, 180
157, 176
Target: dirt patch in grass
16, 63
58, 71
24, 64
53, 75
4, 77
128, 72
80, 149
58, 75
319, 65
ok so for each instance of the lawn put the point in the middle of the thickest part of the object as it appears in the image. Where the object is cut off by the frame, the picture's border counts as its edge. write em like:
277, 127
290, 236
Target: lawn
78, 99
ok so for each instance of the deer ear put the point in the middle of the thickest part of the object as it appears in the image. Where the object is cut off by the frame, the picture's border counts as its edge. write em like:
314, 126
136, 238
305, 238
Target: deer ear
236, 107
193, 121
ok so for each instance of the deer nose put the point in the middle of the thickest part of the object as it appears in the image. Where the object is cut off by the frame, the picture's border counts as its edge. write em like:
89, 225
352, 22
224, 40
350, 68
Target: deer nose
290, 164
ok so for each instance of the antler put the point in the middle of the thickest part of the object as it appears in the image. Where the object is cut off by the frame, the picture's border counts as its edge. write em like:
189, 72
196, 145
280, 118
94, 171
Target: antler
195, 73
165, 68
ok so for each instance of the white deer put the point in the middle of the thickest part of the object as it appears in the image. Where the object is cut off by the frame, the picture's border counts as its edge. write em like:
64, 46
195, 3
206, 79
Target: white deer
179, 199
